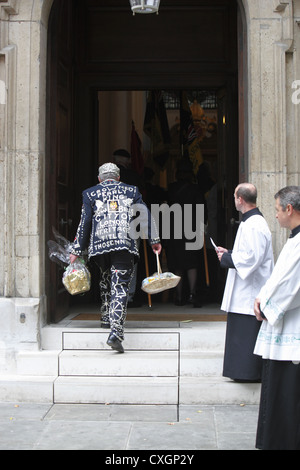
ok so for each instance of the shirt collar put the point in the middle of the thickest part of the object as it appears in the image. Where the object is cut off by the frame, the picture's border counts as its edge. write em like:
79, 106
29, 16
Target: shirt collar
295, 231
110, 181
250, 213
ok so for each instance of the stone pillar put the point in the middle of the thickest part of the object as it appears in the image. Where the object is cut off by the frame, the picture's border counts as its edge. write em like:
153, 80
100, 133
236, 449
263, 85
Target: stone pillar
22, 156
293, 103
271, 53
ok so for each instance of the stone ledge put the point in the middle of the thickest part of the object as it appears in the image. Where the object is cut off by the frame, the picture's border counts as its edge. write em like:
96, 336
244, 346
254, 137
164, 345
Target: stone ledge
26, 389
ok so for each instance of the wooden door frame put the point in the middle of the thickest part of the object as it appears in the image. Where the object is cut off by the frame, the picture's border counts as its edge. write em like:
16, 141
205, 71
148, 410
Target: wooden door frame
57, 182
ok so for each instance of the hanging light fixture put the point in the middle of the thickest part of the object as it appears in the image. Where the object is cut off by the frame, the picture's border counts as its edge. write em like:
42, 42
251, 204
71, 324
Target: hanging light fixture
144, 6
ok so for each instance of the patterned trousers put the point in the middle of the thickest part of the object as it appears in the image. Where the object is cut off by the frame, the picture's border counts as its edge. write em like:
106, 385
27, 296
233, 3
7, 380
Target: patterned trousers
116, 270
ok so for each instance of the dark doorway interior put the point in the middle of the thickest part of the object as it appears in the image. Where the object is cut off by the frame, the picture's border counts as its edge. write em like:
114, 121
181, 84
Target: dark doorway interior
97, 47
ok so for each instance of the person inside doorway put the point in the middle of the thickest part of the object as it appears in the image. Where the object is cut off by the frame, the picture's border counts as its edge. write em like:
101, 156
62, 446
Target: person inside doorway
250, 264
122, 158
106, 230
185, 193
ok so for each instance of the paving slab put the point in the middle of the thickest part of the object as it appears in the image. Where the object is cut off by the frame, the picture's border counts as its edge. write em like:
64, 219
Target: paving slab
131, 413
26, 426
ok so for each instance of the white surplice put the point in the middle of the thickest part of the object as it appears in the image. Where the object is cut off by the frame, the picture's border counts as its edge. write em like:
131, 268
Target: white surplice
279, 336
252, 256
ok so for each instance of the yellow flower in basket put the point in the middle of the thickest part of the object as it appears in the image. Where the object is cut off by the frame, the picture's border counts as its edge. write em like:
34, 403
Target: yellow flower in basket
77, 278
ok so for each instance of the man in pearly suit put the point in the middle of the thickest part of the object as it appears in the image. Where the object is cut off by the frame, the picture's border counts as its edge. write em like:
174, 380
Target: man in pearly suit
112, 211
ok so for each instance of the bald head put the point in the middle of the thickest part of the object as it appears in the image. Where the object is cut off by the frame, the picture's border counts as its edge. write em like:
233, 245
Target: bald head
245, 197
248, 192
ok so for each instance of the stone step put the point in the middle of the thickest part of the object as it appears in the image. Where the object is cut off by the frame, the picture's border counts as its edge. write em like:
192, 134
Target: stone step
128, 390
38, 363
133, 341
201, 364
205, 336
26, 389
110, 363
217, 390
106, 362
154, 390
118, 390
160, 366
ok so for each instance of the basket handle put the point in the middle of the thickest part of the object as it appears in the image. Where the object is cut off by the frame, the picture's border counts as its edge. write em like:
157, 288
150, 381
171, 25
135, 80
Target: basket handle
158, 264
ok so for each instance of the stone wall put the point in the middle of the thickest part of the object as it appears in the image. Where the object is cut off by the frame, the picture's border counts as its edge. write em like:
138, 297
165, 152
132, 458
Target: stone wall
273, 36
23, 46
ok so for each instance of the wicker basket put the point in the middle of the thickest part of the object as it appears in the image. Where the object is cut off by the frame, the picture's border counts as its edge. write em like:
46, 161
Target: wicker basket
159, 281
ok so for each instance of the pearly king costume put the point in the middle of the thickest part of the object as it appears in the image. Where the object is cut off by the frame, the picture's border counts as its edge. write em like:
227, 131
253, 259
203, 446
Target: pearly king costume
278, 343
108, 230
250, 264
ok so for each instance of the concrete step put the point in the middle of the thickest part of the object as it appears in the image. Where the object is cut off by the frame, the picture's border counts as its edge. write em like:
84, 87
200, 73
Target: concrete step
160, 366
26, 389
127, 390
117, 390
205, 336
196, 352
155, 390
110, 363
201, 364
133, 340
38, 363
217, 390
107, 362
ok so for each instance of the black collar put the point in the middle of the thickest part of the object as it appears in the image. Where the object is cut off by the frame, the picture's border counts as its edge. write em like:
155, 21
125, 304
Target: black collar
250, 213
295, 231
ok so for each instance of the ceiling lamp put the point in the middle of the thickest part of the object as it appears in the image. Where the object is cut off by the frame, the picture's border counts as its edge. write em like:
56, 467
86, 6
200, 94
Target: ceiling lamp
144, 6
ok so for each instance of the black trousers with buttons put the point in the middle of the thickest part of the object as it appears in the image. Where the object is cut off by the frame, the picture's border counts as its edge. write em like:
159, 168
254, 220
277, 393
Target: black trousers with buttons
116, 271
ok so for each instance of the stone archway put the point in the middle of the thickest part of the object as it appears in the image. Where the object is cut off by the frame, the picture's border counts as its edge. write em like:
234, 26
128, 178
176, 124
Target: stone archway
273, 129
95, 75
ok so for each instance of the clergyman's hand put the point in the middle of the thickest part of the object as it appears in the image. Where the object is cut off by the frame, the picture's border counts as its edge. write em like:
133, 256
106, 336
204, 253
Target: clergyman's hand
257, 310
220, 251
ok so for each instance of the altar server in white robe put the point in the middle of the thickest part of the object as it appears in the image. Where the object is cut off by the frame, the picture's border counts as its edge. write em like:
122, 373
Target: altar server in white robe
250, 264
278, 308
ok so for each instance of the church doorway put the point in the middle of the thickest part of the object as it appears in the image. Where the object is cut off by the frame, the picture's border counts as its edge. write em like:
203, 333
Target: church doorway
103, 65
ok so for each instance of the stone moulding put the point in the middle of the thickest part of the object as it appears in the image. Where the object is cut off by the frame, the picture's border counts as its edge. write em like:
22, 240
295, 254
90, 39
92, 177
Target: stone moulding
8, 8
285, 8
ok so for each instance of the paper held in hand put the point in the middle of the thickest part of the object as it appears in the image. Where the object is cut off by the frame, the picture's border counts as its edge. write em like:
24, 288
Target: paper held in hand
214, 245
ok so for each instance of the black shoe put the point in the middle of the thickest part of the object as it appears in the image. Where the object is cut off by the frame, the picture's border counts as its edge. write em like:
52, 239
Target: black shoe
115, 343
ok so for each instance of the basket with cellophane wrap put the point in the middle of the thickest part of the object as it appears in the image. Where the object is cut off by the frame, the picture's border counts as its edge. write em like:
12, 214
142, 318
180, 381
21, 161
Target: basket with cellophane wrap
77, 278
159, 281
